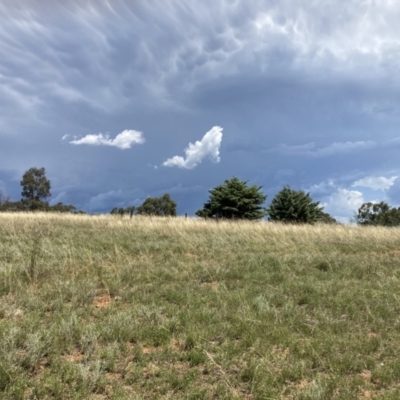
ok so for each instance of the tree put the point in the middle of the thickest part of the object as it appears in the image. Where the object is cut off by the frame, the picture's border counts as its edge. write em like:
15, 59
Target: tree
378, 214
235, 199
35, 189
294, 206
159, 206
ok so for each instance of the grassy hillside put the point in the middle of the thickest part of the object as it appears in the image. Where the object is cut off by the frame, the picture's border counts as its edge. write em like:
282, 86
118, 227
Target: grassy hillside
111, 308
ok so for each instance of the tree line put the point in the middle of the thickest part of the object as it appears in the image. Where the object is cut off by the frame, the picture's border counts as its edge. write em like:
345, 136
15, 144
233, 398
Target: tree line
378, 214
234, 199
35, 190
158, 206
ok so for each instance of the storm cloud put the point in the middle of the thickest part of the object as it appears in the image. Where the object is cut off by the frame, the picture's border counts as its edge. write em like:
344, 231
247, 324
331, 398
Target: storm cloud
307, 94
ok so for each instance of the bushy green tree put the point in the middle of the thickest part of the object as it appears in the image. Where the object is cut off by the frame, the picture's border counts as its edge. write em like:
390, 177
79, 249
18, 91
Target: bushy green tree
378, 214
158, 206
35, 189
234, 199
294, 206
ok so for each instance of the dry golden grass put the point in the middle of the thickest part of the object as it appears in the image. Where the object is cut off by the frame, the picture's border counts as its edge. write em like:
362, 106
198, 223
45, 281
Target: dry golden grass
109, 308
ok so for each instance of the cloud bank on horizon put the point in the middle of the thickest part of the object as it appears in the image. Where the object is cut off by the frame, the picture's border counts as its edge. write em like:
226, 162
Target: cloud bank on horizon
312, 150
302, 103
208, 146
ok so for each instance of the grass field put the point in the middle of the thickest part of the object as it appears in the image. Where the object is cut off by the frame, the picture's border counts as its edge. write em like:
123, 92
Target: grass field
150, 308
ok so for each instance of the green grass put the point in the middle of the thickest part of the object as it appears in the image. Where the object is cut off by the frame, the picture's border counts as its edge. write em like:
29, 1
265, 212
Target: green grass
110, 308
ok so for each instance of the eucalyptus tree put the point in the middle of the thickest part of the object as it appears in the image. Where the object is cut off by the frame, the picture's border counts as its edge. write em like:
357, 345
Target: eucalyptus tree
378, 214
35, 189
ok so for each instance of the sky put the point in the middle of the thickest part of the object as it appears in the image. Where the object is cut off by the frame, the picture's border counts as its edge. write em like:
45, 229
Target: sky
125, 99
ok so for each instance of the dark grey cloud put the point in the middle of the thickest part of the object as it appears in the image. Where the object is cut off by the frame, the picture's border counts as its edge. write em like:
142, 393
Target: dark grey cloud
307, 94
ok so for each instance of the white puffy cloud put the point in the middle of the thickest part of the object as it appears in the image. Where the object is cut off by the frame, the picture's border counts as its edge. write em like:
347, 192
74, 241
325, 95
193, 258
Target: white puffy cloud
343, 203
124, 140
376, 182
208, 146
